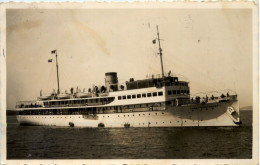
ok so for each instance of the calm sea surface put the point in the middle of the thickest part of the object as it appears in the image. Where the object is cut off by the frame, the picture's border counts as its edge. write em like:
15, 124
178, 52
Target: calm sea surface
42, 142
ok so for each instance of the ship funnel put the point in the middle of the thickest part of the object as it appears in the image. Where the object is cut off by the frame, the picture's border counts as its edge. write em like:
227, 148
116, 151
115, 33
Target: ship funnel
111, 81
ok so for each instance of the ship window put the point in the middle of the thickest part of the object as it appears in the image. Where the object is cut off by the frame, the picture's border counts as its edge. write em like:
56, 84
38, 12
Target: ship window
169, 92
144, 95
154, 93
188, 91
181, 91
124, 97
149, 94
160, 93
138, 95
128, 96
137, 106
133, 96
119, 97
178, 91
174, 92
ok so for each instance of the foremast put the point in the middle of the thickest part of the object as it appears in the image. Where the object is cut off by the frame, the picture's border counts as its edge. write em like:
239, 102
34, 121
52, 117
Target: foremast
160, 50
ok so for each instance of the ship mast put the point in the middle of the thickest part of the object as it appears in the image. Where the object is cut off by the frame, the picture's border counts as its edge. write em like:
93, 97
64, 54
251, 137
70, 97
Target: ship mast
160, 50
57, 72
57, 69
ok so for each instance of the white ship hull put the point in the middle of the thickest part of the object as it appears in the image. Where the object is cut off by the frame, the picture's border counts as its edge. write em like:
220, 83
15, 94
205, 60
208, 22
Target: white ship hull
211, 114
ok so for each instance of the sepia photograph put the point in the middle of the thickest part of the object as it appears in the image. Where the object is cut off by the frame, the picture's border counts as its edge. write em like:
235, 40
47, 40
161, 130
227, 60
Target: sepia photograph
130, 83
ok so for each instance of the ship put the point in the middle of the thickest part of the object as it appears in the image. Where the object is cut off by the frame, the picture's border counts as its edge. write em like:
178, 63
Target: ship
157, 101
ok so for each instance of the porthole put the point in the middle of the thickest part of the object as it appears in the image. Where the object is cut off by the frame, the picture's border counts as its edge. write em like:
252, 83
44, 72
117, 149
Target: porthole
79, 117
143, 123
128, 115
107, 116
143, 114
124, 115
139, 123
149, 113
139, 114
155, 113
162, 122
118, 115
156, 122
170, 122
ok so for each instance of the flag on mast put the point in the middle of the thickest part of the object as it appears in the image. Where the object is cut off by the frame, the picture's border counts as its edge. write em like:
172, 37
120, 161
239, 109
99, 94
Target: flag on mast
154, 41
53, 51
49, 60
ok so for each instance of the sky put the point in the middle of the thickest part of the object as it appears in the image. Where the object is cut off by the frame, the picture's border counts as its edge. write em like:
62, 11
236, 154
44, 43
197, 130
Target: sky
212, 49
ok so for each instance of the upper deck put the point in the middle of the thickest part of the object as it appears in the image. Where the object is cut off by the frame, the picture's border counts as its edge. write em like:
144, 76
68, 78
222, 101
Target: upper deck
140, 91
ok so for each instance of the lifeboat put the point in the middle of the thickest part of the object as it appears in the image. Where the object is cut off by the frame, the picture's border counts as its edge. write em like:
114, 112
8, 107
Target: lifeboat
47, 97
82, 95
63, 96
103, 94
